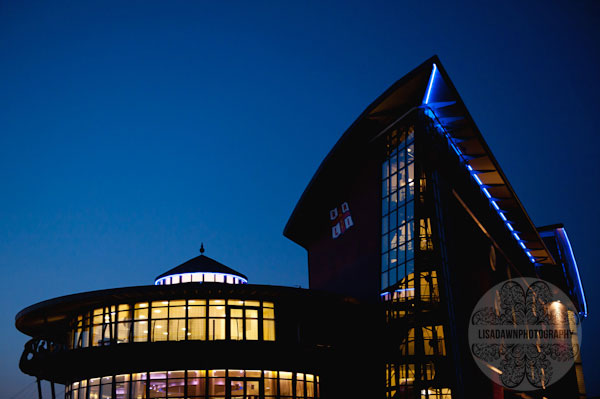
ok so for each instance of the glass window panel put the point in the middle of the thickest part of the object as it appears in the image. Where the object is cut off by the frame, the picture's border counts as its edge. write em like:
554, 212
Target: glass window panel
384, 243
285, 388
123, 332
196, 302
160, 330
236, 312
299, 389
393, 220
235, 302
158, 388
138, 389
402, 234
269, 330
124, 313
393, 257
176, 388
196, 386
196, 311
140, 331
177, 330
216, 387
384, 280
94, 392
393, 240
177, 311
140, 314
252, 313
410, 210
385, 172
253, 303
384, 225
401, 195
270, 386
384, 206
216, 329
236, 388
393, 201
393, 165
393, 275
401, 253
160, 313
384, 262
97, 335
268, 313
394, 182
252, 329
106, 391
216, 311
236, 328
401, 158
385, 190
401, 177
197, 329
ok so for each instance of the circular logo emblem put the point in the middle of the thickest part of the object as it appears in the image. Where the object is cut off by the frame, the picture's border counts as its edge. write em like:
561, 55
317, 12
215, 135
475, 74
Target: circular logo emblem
525, 334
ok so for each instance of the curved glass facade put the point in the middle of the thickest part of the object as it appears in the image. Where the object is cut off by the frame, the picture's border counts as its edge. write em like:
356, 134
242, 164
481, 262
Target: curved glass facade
175, 320
222, 384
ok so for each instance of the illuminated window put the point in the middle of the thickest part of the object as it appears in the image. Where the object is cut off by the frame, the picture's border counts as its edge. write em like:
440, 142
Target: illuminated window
436, 393
429, 287
397, 224
192, 384
406, 374
175, 320
407, 346
425, 237
433, 341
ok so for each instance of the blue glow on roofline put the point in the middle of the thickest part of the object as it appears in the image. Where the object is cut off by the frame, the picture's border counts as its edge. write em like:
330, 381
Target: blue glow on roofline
431, 113
569, 252
430, 85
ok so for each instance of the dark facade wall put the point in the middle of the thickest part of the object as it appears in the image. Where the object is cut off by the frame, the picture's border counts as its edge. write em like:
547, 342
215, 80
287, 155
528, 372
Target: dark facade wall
349, 264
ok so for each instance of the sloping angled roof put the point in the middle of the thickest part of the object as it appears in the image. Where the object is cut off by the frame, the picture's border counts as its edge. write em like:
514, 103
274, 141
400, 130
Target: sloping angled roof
418, 90
202, 264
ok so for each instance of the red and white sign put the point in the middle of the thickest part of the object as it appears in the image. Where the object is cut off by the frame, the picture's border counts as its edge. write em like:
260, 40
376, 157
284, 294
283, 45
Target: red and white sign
341, 220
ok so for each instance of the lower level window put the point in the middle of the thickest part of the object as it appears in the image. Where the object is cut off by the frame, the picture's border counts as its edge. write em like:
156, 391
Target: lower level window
198, 384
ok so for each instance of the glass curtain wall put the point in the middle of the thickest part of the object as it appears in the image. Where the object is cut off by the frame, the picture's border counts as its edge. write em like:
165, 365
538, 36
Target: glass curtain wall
410, 270
225, 384
175, 320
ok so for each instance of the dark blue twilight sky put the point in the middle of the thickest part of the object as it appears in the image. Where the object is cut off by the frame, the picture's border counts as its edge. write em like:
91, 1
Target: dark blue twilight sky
132, 131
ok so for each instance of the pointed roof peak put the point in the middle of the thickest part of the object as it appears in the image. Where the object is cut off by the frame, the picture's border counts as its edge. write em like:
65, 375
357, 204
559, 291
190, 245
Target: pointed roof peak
200, 269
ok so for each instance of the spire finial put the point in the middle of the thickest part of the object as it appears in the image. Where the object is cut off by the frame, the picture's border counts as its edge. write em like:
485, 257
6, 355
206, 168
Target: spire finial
201, 248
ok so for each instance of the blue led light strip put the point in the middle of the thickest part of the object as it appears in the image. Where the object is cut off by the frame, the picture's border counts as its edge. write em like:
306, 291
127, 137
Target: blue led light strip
430, 85
569, 253
473, 172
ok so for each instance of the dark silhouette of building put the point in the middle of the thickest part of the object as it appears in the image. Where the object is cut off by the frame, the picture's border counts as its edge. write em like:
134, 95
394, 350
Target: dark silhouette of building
408, 221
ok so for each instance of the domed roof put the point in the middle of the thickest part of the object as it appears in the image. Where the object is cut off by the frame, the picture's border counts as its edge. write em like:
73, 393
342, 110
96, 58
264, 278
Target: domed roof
202, 266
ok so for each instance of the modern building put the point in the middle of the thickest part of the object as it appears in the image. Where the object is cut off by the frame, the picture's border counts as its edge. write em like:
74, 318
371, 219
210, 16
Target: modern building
408, 221
411, 210
199, 332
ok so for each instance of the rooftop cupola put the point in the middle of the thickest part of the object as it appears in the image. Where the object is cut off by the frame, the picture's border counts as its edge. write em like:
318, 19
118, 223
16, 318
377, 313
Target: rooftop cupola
201, 269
